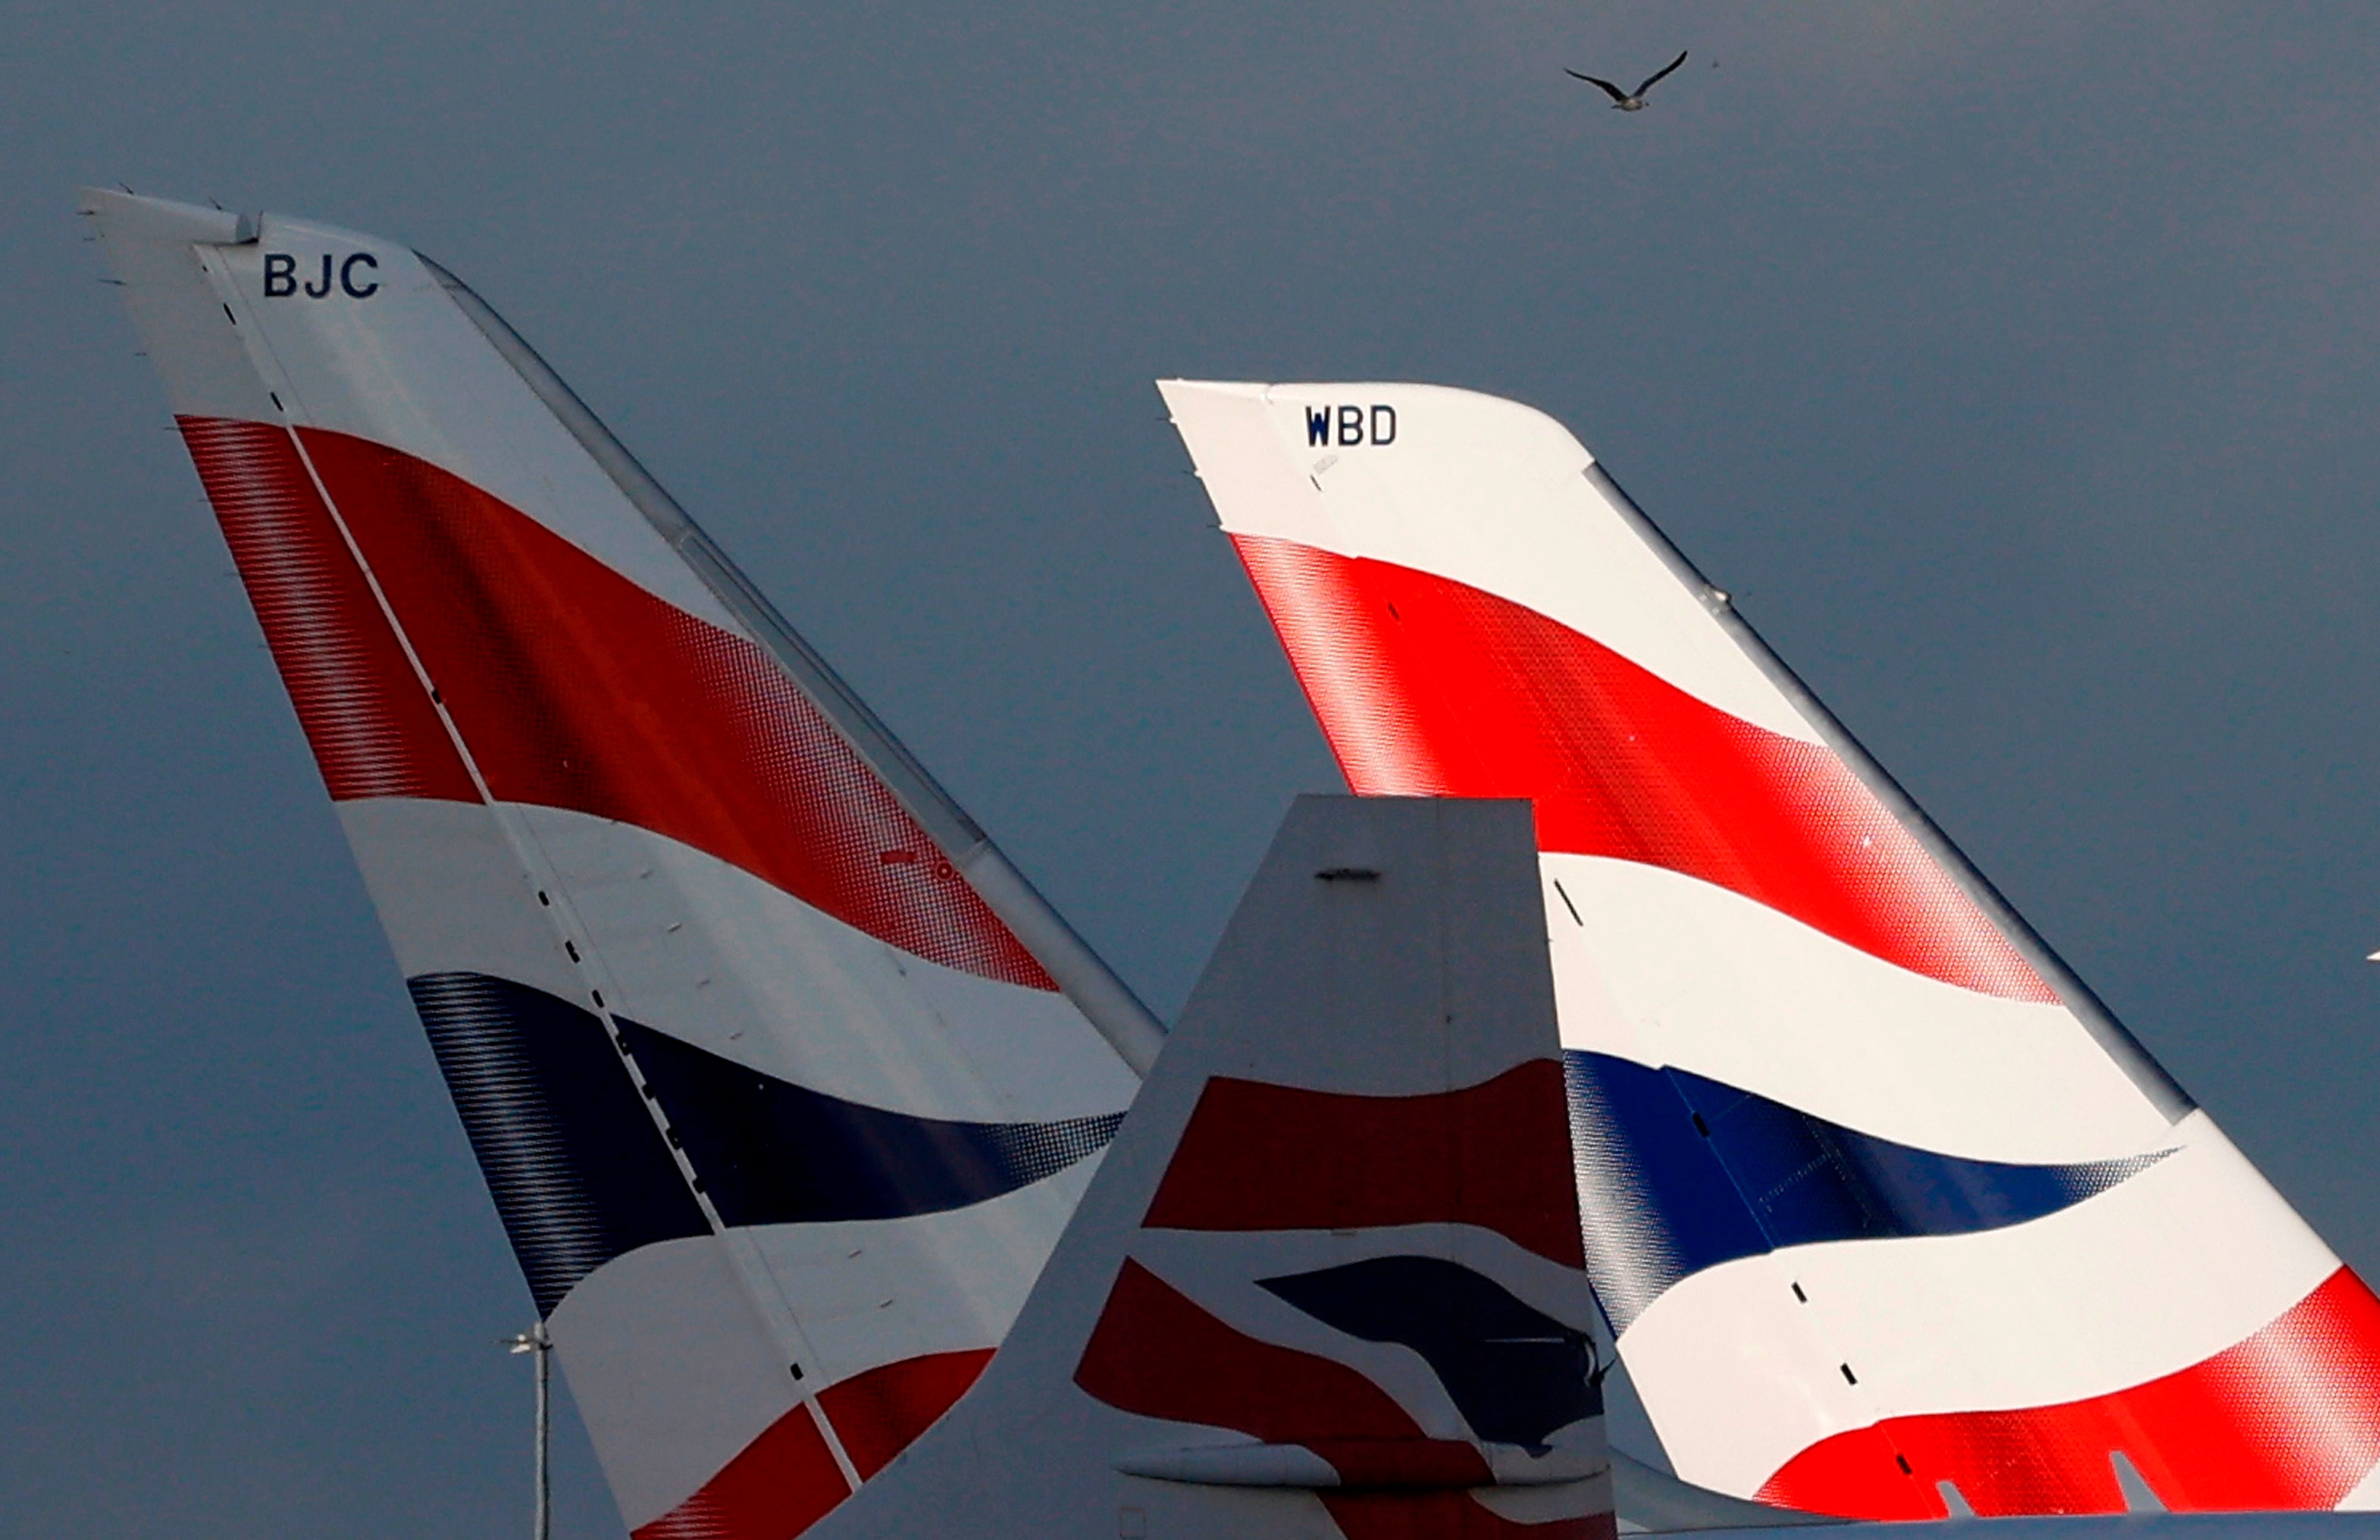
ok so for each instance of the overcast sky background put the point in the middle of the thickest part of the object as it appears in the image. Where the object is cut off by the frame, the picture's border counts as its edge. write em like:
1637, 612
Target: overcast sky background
2013, 365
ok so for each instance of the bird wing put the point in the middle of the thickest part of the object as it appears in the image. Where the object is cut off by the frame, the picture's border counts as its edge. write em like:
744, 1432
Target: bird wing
1617, 94
1657, 78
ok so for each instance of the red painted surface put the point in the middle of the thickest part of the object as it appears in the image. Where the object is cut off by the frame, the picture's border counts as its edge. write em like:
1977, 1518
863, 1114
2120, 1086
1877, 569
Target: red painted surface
364, 711
1496, 1154
574, 687
1156, 1353
787, 1480
880, 1411
1428, 687
782, 1483
2287, 1419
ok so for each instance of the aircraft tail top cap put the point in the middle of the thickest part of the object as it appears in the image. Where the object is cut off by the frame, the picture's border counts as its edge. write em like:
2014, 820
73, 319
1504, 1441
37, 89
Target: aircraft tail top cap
1329, 1276
1877, 1196
160, 220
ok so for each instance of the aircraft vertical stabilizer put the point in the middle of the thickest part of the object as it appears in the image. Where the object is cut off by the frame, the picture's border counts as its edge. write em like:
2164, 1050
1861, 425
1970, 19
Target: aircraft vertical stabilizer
1328, 1279
782, 1080
1879, 1195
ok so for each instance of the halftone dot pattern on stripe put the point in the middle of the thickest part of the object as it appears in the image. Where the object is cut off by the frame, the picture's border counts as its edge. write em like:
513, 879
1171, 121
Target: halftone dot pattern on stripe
572, 687
2288, 1419
1428, 686
365, 714
780, 1484
578, 1172
1679, 1173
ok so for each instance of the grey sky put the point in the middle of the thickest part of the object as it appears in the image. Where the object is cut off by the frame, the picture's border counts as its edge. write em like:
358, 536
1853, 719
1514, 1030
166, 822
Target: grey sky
2013, 365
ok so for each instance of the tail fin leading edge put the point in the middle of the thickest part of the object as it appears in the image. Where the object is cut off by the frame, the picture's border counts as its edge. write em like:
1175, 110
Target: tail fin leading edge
1877, 1195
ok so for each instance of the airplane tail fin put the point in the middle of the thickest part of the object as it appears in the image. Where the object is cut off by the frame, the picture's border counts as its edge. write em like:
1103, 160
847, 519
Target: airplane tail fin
782, 1080
1879, 1195
1330, 1274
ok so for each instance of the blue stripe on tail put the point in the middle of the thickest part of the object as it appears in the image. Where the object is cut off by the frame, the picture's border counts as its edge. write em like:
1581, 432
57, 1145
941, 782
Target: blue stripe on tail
581, 1174
578, 1172
1680, 1173
771, 1152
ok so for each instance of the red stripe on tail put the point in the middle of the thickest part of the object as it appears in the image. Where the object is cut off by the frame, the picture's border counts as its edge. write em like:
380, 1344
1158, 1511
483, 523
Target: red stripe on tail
782, 1483
880, 1411
2287, 1419
574, 687
1428, 687
364, 711
785, 1480
1496, 1154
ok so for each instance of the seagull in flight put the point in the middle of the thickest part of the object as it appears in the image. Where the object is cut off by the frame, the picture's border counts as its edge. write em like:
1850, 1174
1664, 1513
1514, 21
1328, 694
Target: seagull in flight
1627, 101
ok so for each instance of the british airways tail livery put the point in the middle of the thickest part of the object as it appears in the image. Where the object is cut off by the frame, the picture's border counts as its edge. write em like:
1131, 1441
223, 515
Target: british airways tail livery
783, 1081
1884, 1206
1329, 1281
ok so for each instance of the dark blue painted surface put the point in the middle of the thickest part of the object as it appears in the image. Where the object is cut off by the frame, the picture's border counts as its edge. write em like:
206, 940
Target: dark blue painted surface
1514, 1372
578, 1172
581, 1174
771, 1152
1693, 1173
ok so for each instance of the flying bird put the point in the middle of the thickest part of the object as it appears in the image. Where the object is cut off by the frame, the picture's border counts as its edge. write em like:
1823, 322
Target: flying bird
1627, 101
